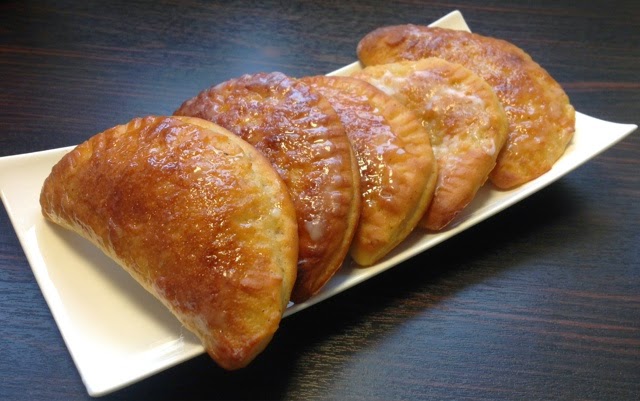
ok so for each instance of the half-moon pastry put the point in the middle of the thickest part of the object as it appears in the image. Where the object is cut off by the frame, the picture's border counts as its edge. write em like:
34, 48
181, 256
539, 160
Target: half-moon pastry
541, 119
194, 214
397, 167
464, 117
299, 132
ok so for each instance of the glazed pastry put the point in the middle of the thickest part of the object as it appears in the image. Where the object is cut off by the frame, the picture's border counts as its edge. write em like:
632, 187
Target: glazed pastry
299, 132
541, 119
194, 214
464, 117
397, 166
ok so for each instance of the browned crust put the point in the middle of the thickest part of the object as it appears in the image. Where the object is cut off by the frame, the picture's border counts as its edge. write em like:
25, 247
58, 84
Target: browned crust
541, 119
196, 215
397, 166
464, 118
300, 133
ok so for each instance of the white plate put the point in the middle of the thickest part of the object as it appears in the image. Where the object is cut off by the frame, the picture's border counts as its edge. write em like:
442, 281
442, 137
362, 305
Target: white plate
118, 334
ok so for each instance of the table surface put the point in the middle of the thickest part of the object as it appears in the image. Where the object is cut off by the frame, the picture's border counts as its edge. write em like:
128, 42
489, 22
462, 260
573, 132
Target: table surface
541, 301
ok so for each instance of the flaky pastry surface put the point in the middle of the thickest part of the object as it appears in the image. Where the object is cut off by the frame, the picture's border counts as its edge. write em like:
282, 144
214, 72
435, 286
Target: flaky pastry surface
299, 132
541, 119
464, 118
197, 216
397, 166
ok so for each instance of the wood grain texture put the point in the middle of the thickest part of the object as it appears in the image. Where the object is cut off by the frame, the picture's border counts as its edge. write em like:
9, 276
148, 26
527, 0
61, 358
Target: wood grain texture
539, 302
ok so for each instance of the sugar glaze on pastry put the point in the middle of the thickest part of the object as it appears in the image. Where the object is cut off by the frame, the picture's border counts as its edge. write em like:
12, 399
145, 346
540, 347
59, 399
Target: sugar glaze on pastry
196, 215
300, 133
397, 167
463, 116
541, 119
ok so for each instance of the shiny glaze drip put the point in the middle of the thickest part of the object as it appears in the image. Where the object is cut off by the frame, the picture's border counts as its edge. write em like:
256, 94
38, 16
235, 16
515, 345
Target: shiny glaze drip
299, 132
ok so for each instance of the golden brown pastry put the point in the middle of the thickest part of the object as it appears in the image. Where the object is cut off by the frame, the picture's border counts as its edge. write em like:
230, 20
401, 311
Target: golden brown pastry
196, 215
464, 117
397, 166
541, 119
299, 132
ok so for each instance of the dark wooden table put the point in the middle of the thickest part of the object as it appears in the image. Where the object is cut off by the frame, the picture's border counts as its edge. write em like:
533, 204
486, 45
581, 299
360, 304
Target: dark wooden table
539, 302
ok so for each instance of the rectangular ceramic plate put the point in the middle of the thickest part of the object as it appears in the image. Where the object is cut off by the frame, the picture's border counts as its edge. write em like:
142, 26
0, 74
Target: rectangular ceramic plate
118, 334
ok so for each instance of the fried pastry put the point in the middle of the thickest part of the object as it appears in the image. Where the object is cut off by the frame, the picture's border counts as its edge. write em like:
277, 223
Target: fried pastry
541, 119
464, 117
397, 166
300, 133
194, 214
